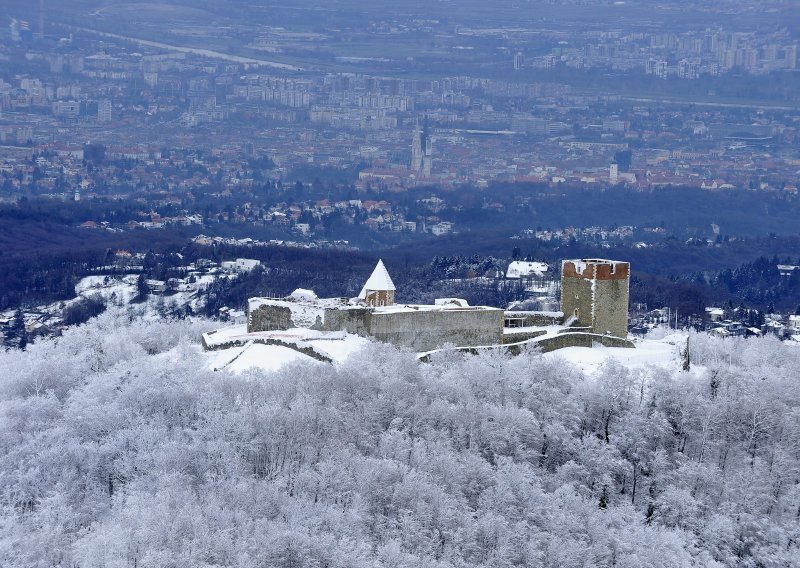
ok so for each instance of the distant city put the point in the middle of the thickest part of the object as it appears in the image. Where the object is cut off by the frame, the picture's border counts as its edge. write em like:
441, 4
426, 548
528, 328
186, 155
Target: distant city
555, 130
87, 113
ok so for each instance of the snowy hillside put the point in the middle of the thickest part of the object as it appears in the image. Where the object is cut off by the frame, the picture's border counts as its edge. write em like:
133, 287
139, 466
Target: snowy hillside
120, 445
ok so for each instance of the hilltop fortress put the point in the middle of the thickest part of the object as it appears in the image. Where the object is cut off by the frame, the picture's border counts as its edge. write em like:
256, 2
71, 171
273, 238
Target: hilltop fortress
594, 300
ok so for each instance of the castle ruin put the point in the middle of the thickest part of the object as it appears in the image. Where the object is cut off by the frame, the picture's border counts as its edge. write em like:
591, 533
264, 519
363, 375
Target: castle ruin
594, 300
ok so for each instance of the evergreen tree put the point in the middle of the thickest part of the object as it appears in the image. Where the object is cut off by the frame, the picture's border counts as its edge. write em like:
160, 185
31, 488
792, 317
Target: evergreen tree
17, 335
142, 289
603, 504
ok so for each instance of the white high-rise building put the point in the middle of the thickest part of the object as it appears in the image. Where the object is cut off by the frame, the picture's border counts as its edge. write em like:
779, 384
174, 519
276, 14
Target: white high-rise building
104, 110
613, 173
416, 150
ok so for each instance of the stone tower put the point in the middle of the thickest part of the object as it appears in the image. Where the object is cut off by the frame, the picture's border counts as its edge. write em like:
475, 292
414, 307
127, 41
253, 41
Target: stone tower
594, 294
379, 288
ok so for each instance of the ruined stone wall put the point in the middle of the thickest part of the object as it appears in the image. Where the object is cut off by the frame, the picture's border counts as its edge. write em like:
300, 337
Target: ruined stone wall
538, 318
354, 320
308, 350
546, 345
563, 340
420, 330
269, 318
543, 318
512, 336
428, 330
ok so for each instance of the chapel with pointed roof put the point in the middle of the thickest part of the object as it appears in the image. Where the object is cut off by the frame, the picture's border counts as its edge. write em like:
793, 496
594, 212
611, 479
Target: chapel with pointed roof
379, 288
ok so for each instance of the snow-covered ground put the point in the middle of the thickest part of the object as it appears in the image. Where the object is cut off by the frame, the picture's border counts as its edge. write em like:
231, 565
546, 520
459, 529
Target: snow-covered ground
254, 355
120, 290
114, 291
239, 334
665, 353
340, 350
248, 354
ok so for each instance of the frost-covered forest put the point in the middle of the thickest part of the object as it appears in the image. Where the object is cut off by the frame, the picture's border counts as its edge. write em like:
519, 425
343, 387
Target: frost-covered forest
118, 448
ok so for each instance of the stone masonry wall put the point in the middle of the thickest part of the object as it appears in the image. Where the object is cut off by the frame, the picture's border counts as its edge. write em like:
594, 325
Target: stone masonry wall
512, 336
611, 307
581, 340
380, 297
576, 293
428, 330
269, 318
538, 318
547, 345
356, 321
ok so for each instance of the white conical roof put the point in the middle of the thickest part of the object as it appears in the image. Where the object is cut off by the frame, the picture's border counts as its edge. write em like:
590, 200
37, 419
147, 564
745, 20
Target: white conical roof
380, 280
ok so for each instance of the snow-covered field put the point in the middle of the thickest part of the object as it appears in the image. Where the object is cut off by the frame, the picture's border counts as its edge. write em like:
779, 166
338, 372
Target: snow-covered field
118, 291
249, 354
254, 356
663, 353
340, 350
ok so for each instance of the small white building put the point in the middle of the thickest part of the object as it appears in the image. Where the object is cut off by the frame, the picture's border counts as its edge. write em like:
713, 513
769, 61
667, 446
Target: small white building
442, 228
523, 270
156, 286
237, 317
240, 265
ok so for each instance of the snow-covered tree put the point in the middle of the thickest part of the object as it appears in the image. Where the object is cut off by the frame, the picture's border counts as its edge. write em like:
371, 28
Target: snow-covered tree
119, 447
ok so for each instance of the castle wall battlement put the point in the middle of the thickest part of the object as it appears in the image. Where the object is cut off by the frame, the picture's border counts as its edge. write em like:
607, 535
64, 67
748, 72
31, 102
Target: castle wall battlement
595, 269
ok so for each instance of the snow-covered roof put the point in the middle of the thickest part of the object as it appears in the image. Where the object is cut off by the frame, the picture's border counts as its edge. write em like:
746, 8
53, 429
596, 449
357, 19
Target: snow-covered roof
520, 269
458, 302
379, 280
302, 294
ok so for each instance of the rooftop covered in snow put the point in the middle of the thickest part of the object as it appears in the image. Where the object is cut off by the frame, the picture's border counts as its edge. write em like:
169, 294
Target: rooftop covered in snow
524, 269
378, 280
